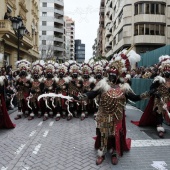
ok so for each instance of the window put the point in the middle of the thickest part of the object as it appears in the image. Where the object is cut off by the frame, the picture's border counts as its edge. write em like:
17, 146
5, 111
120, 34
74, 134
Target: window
43, 32
157, 30
43, 52
114, 40
44, 14
147, 7
44, 4
141, 8
136, 9
152, 8
162, 9
136, 29
141, 29
44, 23
146, 29
162, 30
152, 30
43, 42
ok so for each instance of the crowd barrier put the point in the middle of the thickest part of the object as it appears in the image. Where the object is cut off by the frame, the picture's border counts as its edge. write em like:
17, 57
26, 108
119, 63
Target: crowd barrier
139, 86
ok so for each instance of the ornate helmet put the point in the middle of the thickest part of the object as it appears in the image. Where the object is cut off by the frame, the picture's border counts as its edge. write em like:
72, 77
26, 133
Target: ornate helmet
38, 67
74, 68
62, 68
97, 68
123, 62
23, 65
86, 69
164, 63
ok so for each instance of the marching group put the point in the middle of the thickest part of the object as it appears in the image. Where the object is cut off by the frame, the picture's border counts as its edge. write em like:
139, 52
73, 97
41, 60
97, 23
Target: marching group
67, 90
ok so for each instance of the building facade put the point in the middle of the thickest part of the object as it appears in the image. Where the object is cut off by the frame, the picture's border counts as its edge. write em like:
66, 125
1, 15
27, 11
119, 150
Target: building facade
79, 51
143, 24
70, 36
52, 40
28, 45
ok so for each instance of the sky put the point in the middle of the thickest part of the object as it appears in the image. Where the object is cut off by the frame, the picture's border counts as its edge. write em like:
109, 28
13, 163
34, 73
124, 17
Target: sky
85, 13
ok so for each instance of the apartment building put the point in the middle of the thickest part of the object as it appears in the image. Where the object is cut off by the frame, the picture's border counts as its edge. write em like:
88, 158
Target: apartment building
52, 39
79, 51
70, 36
101, 30
143, 24
13, 48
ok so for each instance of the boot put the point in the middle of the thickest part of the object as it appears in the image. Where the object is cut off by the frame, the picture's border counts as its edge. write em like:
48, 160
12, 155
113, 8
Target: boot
100, 157
161, 131
114, 158
18, 117
51, 114
31, 116
45, 117
39, 114
82, 116
57, 117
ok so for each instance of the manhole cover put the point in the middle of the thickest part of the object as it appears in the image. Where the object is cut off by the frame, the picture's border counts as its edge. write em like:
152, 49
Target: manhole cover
154, 134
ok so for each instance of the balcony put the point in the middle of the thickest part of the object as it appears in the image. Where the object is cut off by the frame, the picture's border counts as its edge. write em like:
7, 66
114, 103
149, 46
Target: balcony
59, 48
101, 11
61, 30
6, 28
58, 39
61, 21
61, 12
60, 2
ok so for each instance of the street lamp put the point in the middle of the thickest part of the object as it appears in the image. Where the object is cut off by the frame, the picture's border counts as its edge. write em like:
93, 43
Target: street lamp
19, 29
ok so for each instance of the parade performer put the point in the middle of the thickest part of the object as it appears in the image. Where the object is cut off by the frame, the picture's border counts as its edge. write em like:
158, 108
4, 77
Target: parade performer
23, 85
5, 121
62, 82
158, 106
88, 85
74, 88
49, 86
98, 72
37, 87
111, 126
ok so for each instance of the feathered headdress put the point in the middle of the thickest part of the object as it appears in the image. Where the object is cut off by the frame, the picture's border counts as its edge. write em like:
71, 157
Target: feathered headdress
38, 67
23, 65
97, 69
86, 69
164, 63
50, 66
62, 68
123, 62
74, 68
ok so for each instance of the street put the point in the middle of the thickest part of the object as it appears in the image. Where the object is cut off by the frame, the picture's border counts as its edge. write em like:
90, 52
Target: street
69, 145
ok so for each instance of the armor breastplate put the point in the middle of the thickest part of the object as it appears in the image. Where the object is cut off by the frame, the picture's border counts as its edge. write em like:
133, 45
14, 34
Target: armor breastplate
86, 85
49, 84
113, 102
36, 86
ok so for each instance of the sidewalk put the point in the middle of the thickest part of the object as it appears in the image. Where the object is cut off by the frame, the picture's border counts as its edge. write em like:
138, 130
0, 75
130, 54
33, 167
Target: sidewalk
69, 145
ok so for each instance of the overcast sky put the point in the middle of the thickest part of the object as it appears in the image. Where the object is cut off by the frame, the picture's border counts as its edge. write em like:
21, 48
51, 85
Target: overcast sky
85, 13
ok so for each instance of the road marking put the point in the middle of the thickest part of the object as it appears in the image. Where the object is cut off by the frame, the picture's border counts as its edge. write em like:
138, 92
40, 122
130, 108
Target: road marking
147, 143
4, 168
20, 149
51, 123
40, 123
32, 133
45, 133
160, 165
36, 149
26, 168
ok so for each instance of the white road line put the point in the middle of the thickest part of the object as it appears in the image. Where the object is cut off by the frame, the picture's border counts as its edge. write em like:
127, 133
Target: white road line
45, 133
160, 165
20, 149
51, 123
26, 168
40, 123
36, 149
32, 133
147, 143
4, 168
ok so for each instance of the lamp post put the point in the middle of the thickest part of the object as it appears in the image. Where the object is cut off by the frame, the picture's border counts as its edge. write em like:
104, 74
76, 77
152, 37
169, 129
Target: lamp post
19, 29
